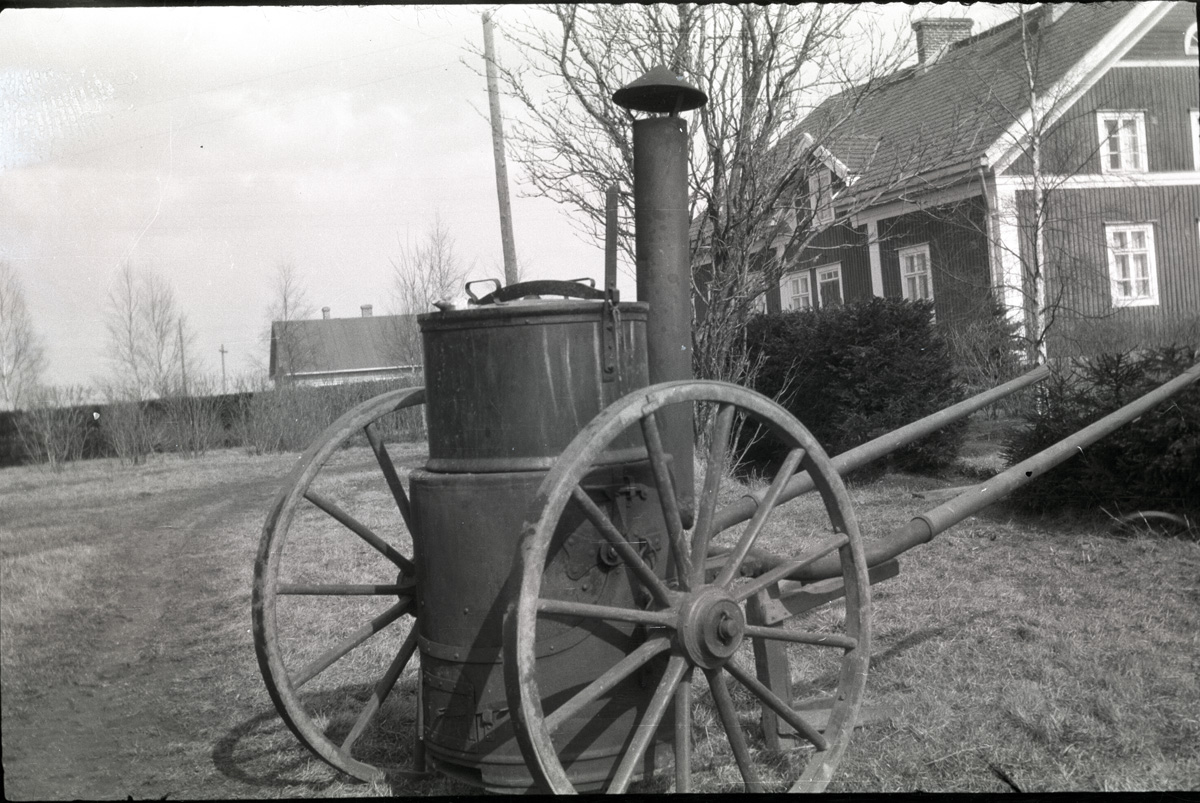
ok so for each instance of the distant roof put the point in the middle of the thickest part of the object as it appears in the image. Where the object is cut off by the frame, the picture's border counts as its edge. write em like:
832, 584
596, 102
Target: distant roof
337, 344
947, 115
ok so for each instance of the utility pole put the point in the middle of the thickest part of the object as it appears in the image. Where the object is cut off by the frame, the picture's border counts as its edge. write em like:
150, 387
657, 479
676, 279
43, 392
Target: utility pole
506, 231
223, 353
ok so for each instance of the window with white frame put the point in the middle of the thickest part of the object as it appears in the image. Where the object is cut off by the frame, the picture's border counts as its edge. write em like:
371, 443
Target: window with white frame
829, 285
795, 291
915, 280
1131, 264
1191, 45
1122, 142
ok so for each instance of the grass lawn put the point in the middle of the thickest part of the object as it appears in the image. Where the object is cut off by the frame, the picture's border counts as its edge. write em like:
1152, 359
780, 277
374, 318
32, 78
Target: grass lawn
1046, 655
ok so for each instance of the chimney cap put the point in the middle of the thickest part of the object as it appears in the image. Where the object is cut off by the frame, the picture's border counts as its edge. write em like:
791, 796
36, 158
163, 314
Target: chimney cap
962, 23
659, 91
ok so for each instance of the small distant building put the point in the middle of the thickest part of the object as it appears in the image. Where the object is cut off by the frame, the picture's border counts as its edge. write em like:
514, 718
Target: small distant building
334, 351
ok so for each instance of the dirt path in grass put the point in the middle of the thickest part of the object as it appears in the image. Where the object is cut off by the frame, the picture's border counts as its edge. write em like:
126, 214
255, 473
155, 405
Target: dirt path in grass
102, 686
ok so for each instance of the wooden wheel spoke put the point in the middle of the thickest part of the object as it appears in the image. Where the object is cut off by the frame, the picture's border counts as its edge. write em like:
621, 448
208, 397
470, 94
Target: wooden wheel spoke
733, 729
339, 590
683, 734
614, 675
624, 549
608, 612
783, 710
750, 534
361, 530
381, 691
801, 637
692, 626
667, 497
718, 449
781, 571
676, 667
348, 644
389, 473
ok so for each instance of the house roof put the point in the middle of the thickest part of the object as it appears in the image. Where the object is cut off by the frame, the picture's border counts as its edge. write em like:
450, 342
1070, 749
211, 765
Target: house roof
946, 117
335, 345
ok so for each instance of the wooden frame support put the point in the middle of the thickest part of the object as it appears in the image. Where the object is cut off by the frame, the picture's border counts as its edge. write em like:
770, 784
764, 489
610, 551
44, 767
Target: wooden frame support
778, 603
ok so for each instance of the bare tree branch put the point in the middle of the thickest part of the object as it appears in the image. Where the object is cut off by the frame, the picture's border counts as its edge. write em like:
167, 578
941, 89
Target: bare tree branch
763, 68
423, 272
22, 355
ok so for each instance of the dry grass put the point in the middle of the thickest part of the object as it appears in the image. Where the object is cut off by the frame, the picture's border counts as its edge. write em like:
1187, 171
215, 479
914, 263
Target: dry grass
1049, 652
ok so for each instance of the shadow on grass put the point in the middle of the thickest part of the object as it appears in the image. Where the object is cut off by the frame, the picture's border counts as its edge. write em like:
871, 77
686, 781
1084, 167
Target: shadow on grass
828, 682
249, 754
262, 752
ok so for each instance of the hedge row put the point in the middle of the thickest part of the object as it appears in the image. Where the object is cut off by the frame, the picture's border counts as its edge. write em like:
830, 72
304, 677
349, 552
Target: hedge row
281, 419
1152, 463
855, 372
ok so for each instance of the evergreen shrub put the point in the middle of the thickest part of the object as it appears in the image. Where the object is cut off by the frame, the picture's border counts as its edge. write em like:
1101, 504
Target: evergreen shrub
853, 373
1152, 463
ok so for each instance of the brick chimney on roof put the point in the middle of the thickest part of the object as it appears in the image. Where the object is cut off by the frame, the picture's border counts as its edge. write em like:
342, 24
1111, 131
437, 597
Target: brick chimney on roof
325, 313
935, 34
366, 310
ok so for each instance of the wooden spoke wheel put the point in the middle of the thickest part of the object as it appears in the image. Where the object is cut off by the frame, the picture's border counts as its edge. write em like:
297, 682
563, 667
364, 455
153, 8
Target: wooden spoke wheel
693, 607
334, 598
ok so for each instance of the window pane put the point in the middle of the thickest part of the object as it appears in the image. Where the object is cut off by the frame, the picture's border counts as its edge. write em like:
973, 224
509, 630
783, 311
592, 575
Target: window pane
1138, 239
830, 296
1122, 266
1118, 239
1139, 266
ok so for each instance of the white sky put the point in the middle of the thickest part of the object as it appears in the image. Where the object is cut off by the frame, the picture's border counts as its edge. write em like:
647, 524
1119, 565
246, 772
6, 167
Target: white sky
212, 144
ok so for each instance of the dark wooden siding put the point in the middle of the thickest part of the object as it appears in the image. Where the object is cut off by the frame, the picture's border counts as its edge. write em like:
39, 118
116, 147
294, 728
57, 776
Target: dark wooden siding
1166, 94
1165, 41
1077, 266
843, 244
958, 255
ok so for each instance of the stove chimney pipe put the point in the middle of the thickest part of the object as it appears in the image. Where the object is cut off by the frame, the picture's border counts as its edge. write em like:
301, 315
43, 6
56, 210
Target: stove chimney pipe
664, 276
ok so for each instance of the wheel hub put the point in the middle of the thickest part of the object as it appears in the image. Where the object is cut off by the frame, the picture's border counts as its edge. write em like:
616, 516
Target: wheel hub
711, 627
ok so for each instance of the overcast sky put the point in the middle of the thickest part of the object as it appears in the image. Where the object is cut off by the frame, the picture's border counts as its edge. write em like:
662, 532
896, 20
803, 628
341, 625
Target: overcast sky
213, 144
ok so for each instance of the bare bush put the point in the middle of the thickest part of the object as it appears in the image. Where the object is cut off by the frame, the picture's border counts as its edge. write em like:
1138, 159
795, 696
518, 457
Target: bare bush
126, 426
986, 352
192, 421
54, 427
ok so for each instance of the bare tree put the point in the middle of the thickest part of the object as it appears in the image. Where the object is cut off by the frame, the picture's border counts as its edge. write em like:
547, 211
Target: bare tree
289, 303
148, 336
424, 271
150, 351
763, 68
22, 356
123, 321
163, 337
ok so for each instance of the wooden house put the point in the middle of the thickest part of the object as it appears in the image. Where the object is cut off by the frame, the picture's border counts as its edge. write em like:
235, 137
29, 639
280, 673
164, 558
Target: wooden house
332, 351
930, 183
